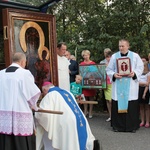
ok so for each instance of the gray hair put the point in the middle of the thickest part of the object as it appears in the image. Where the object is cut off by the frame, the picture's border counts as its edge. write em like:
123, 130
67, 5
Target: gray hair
18, 56
107, 50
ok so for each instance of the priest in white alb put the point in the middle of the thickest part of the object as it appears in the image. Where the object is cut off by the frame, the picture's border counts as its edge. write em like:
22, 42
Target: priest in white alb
69, 131
63, 67
124, 69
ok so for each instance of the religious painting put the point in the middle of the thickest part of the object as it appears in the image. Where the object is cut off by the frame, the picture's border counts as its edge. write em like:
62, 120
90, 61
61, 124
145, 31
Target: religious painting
93, 76
33, 34
124, 66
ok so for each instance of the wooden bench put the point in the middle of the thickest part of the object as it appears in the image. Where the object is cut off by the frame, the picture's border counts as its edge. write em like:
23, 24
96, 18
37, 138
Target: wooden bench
87, 102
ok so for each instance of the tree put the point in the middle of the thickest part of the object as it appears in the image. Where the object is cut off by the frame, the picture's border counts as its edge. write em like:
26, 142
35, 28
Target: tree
98, 24
130, 20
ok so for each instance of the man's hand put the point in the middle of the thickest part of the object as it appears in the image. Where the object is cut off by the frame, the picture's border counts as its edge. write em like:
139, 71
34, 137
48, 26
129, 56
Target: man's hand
131, 74
117, 76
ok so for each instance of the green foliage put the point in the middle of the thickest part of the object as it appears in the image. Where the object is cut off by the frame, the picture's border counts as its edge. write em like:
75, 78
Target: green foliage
97, 24
30, 2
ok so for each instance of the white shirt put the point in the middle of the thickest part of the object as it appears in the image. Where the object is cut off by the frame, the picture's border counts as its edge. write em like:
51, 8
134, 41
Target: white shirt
143, 78
63, 72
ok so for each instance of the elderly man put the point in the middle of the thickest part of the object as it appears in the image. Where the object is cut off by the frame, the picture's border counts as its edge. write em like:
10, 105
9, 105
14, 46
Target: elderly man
18, 94
69, 131
125, 77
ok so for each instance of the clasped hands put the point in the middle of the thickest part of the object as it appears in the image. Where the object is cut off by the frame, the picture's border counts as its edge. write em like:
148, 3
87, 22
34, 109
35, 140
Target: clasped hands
118, 76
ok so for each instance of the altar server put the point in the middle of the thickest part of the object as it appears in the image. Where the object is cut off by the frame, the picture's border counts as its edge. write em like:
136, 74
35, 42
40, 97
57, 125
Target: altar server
18, 96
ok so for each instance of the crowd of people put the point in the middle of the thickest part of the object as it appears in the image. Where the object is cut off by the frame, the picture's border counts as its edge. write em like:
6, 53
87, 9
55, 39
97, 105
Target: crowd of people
127, 92
126, 95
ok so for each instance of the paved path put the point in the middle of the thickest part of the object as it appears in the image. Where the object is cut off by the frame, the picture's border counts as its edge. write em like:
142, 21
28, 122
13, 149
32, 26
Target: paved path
118, 140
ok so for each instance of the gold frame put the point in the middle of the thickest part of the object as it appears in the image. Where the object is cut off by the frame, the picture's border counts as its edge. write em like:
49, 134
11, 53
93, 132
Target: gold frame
32, 33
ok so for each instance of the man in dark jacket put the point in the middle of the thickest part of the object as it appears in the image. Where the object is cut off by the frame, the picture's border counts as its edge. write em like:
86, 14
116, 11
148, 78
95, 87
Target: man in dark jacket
73, 67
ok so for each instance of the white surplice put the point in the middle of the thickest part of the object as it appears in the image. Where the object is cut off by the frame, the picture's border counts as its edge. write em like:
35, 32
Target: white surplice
136, 66
63, 73
62, 129
17, 92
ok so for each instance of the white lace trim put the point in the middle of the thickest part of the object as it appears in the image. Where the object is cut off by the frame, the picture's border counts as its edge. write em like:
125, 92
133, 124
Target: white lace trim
17, 123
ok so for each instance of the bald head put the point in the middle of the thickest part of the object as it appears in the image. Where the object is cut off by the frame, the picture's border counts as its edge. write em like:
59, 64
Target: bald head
19, 58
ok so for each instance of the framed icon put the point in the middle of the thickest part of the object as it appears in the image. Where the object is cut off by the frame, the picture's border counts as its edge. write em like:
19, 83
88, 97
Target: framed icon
124, 66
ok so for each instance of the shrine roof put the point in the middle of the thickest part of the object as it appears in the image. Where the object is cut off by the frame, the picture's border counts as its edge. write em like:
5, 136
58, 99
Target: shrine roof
35, 5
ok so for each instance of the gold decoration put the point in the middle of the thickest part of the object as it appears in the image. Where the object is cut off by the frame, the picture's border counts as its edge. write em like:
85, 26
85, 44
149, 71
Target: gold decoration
41, 40
75, 109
